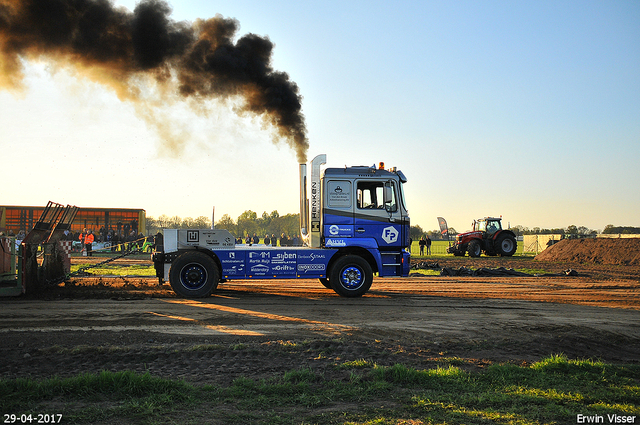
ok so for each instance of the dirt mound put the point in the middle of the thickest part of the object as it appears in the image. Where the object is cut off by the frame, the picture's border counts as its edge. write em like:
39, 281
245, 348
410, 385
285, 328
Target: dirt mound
599, 251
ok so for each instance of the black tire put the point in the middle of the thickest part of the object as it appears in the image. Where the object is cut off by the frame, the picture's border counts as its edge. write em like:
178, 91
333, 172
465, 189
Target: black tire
351, 276
474, 249
325, 282
506, 245
194, 275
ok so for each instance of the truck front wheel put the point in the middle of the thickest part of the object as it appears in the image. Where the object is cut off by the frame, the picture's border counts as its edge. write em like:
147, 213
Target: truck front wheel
351, 276
194, 275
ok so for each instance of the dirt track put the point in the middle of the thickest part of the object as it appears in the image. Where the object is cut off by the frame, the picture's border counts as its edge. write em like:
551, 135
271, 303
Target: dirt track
260, 328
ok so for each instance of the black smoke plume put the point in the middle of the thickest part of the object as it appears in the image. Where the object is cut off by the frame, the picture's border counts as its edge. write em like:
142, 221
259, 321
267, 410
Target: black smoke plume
111, 45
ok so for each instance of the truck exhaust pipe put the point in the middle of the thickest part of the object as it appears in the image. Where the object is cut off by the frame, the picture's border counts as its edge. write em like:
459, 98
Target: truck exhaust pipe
310, 216
304, 206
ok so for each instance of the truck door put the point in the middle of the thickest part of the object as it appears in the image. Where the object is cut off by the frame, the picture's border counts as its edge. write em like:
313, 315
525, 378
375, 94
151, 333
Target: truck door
377, 213
337, 217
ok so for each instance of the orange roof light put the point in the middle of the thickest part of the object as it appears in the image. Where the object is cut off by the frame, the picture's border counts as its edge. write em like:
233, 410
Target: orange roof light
381, 166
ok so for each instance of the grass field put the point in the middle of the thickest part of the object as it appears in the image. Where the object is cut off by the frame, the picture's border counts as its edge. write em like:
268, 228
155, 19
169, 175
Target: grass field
553, 391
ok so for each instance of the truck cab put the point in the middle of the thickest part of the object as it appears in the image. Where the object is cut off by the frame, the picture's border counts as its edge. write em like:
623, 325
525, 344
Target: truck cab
364, 207
353, 221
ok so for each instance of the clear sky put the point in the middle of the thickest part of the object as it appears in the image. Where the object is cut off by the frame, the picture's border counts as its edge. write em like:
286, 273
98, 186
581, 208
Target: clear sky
528, 109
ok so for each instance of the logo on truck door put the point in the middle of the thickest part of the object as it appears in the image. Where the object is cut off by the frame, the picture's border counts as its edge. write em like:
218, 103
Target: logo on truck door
389, 234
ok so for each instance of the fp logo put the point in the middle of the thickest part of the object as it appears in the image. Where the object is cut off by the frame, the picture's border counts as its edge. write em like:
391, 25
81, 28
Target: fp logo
334, 230
389, 234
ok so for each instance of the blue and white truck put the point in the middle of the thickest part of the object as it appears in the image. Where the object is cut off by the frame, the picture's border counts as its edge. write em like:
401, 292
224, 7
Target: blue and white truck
353, 221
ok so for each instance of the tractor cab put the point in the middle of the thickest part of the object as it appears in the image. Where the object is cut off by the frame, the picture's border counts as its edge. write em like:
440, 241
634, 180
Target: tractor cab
489, 226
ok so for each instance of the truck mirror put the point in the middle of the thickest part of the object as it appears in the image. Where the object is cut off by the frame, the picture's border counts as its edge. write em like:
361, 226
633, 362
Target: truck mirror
389, 198
388, 194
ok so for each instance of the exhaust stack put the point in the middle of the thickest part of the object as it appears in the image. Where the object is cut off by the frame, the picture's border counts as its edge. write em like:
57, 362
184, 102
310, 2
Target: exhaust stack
304, 206
310, 212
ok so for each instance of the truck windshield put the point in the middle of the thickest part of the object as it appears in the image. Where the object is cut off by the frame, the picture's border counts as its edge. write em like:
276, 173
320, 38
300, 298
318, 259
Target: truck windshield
401, 190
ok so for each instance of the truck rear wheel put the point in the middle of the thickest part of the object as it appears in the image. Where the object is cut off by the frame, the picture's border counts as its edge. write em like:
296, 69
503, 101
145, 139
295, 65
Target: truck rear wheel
351, 276
194, 275
474, 249
506, 245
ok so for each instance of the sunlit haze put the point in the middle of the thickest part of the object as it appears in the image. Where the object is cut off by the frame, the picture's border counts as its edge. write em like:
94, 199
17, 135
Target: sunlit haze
529, 110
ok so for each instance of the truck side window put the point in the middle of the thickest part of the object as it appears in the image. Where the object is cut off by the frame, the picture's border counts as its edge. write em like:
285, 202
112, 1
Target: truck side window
371, 196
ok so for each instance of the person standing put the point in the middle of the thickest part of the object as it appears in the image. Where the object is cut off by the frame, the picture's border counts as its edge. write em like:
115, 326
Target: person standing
88, 242
428, 245
422, 243
81, 237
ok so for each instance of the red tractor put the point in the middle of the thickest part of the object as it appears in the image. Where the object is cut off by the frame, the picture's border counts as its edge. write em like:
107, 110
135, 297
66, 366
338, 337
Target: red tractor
487, 236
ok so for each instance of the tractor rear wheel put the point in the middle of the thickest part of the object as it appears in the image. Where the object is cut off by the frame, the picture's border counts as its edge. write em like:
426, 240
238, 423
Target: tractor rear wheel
506, 245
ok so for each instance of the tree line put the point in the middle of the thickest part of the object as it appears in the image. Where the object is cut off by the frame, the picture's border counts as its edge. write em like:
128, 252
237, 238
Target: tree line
416, 232
248, 223
610, 229
569, 230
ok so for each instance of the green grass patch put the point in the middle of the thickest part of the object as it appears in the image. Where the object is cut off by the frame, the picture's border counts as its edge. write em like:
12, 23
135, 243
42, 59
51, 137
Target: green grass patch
531, 271
433, 272
117, 270
426, 272
554, 390
356, 364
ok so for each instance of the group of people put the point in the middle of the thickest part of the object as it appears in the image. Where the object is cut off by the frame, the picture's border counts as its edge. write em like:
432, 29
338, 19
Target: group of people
19, 237
124, 235
425, 242
272, 240
112, 236
86, 239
